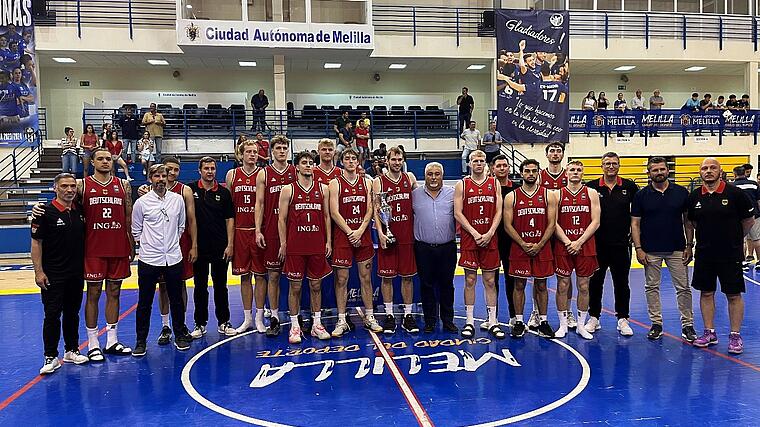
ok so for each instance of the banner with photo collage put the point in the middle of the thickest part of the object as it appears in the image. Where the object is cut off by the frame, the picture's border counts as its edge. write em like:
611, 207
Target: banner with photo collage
19, 120
533, 75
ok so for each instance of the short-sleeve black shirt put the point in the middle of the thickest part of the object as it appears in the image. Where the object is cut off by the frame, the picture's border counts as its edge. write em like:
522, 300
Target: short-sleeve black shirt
717, 219
615, 222
212, 209
661, 216
62, 234
466, 104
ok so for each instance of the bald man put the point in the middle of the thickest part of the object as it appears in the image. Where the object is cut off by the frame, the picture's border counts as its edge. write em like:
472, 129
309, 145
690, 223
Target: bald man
721, 214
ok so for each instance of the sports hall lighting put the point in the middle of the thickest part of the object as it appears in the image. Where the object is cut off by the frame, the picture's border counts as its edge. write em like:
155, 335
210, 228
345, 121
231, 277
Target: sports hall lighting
189, 6
625, 68
476, 67
65, 60
158, 62
332, 65
397, 66
247, 63
694, 68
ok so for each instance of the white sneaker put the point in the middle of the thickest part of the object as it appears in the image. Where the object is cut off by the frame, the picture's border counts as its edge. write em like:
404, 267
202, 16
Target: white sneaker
50, 366
485, 325
260, 327
371, 324
624, 328
341, 328
584, 333
592, 325
571, 322
245, 327
319, 331
198, 332
533, 321
295, 335
75, 357
562, 330
226, 329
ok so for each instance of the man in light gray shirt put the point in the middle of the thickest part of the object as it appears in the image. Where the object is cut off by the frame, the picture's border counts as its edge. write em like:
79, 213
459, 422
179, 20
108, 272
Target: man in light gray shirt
491, 142
158, 220
434, 248
470, 142
637, 105
655, 105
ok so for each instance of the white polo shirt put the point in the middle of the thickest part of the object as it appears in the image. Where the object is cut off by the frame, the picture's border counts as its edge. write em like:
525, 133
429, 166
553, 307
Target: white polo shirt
158, 223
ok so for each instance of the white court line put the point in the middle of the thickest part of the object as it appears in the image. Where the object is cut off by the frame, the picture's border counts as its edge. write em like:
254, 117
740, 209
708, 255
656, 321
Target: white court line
403, 385
755, 282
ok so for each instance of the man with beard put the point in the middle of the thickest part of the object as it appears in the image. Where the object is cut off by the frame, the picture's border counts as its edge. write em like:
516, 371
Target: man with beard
721, 216
658, 215
530, 215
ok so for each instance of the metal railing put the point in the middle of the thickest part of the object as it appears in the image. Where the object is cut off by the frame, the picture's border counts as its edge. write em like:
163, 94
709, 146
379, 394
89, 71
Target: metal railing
229, 123
111, 13
648, 124
24, 155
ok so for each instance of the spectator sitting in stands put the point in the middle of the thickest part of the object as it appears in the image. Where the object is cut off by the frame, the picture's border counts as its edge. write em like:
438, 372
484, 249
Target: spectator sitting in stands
637, 105
69, 151
115, 147
377, 168
89, 142
588, 105
104, 136
743, 107
263, 147
380, 152
340, 124
692, 104
362, 140
345, 138
602, 104
365, 118
733, 106
620, 109
146, 147
720, 104
705, 105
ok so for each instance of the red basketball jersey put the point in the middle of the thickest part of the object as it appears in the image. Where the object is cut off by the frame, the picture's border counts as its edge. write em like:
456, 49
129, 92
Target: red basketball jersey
552, 182
105, 214
179, 188
352, 206
306, 221
322, 176
479, 207
275, 180
400, 201
243, 191
529, 218
574, 216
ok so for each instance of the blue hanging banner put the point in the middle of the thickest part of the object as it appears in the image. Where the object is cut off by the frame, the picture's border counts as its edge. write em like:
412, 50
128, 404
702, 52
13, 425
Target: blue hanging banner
533, 75
18, 74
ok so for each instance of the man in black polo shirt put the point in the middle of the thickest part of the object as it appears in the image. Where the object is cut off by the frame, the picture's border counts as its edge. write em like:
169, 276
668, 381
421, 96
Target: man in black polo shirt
130, 131
752, 190
58, 258
657, 229
215, 216
466, 105
722, 215
613, 243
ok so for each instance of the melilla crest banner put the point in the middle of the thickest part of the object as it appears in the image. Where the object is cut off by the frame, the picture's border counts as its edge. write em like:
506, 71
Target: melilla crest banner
18, 74
533, 75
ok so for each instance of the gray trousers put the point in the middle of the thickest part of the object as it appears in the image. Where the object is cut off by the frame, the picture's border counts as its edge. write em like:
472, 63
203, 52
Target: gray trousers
680, 278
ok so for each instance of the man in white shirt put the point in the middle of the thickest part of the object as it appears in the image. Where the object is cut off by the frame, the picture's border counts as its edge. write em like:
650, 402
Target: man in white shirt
158, 220
471, 140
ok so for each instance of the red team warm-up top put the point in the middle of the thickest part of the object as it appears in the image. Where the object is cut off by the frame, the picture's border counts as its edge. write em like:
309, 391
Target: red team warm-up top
529, 219
398, 259
352, 206
247, 256
574, 217
274, 181
479, 207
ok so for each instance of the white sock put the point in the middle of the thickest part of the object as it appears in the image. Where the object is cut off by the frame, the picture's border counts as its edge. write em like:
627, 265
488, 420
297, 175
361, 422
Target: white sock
341, 317
165, 320
470, 314
582, 317
491, 315
294, 322
92, 338
388, 308
248, 316
111, 334
518, 317
316, 318
274, 312
407, 309
260, 315
542, 317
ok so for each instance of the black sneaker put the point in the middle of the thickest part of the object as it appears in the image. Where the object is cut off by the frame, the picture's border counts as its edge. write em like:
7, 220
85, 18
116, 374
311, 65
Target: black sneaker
274, 327
182, 342
430, 327
449, 327
166, 336
545, 330
306, 325
518, 330
688, 333
409, 324
389, 324
140, 349
655, 332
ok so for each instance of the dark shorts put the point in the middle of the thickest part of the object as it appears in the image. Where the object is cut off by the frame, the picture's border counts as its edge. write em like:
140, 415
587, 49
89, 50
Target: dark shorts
707, 273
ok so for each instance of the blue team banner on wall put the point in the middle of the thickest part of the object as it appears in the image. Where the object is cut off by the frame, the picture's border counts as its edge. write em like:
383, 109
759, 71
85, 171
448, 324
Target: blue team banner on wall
533, 75
18, 75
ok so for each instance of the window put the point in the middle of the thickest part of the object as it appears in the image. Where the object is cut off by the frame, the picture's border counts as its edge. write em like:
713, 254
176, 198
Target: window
609, 5
738, 7
292, 10
662, 6
688, 6
549, 4
638, 5
339, 11
231, 10
713, 6
582, 4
